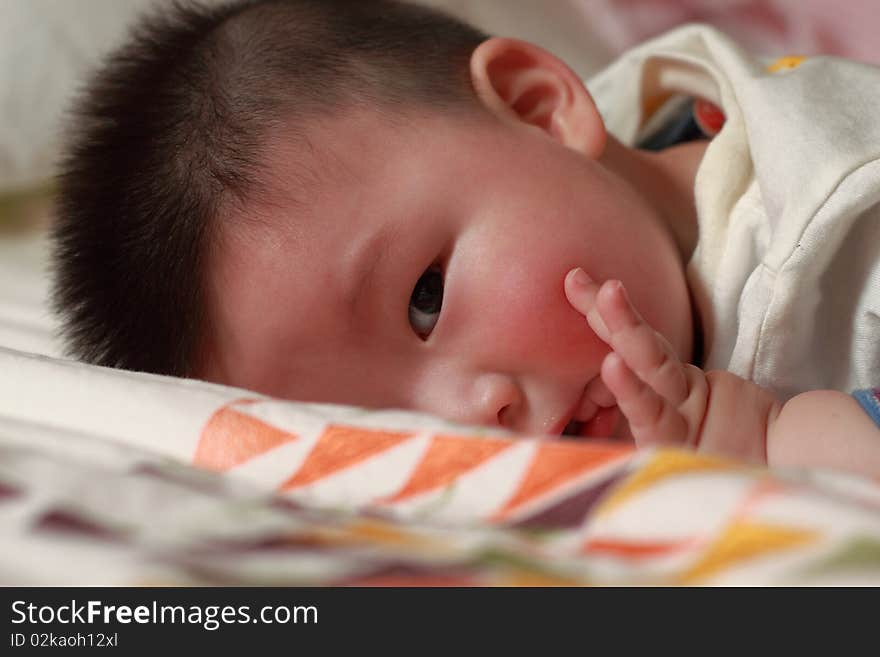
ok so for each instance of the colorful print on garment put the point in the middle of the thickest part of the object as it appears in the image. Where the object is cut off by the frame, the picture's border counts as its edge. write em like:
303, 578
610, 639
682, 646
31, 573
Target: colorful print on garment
869, 398
701, 118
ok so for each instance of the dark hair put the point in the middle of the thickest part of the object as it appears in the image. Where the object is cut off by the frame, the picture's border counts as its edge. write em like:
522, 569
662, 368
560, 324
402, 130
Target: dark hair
170, 134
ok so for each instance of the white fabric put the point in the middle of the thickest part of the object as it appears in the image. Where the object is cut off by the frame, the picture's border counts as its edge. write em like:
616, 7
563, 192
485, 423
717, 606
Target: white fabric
787, 269
26, 323
162, 414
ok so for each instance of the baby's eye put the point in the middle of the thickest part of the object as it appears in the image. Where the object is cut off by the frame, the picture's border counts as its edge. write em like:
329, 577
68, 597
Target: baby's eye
425, 302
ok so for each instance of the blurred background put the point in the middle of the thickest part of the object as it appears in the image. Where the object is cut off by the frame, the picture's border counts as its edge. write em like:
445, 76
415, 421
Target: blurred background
48, 46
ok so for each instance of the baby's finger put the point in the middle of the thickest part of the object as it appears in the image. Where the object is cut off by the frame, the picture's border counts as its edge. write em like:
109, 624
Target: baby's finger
581, 292
597, 392
646, 352
652, 419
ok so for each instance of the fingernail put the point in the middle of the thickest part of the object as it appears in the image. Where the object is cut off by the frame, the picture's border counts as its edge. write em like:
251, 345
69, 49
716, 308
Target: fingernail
580, 278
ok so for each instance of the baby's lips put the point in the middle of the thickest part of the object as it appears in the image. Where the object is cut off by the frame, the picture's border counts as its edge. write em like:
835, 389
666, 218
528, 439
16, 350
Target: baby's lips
586, 410
604, 424
598, 393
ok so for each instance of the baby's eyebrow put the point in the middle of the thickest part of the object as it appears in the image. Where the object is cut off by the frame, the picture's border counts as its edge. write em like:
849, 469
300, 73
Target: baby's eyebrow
362, 275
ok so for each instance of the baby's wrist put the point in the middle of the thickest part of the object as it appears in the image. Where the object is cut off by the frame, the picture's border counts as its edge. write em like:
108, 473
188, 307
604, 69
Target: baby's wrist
738, 418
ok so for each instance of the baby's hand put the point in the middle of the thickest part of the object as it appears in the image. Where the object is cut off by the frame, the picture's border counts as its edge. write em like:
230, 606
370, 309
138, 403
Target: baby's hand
665, 401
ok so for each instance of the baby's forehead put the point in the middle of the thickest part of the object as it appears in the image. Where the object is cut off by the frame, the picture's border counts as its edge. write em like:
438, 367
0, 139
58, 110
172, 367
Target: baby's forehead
351, 134
303, 163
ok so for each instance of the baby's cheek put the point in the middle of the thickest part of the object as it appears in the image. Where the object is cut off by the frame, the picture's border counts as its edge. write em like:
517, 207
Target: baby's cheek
540, 326
577, 345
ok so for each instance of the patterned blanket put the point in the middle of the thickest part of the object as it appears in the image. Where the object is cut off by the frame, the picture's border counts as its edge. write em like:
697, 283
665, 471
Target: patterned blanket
322, 495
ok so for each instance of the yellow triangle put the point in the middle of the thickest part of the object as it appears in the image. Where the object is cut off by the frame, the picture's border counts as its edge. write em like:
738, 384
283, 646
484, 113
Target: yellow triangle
666, 463
742, 541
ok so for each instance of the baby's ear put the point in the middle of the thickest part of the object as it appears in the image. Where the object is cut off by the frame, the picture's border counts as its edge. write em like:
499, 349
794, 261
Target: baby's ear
520, 81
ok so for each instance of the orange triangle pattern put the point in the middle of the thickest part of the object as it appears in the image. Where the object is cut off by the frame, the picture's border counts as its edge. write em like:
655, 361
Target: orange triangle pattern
554, 464
230, 437
637, 549
341, 447
446, 459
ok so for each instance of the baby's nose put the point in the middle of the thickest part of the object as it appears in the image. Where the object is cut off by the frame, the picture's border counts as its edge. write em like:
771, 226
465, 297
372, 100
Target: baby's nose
498, 401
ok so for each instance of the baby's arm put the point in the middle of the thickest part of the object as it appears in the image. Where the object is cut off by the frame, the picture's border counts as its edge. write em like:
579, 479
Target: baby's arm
668, 402
825, 428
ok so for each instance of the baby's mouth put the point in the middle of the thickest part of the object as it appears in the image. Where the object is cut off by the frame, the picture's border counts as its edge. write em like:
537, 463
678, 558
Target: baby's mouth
603, 424
573, 428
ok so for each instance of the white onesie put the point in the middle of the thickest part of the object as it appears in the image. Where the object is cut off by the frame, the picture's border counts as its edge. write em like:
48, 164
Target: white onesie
786, 273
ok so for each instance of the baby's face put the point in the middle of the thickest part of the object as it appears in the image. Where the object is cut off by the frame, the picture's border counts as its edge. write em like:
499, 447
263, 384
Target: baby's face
426, 272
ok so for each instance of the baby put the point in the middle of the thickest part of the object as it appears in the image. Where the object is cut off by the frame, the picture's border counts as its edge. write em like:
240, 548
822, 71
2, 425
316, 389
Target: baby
371, 203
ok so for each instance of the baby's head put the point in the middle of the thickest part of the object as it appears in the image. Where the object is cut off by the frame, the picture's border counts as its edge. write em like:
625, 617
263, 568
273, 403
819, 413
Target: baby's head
354, 202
